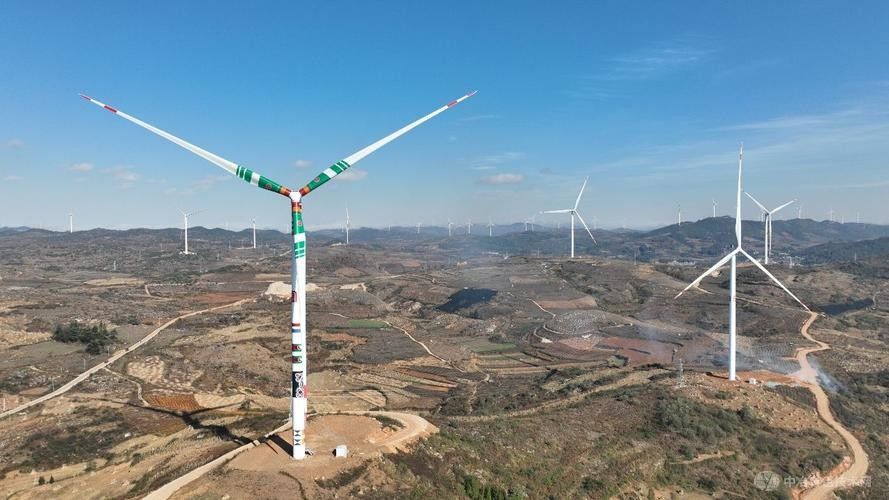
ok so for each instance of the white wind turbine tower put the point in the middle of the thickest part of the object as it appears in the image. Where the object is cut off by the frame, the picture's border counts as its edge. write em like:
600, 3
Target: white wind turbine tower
348, 224
490, 227
799, 211
714, 208
185, 215
254, 232
680, 215
418, 228
733, 257
70, 222
450, 227
469, 227
574, 212
767, 228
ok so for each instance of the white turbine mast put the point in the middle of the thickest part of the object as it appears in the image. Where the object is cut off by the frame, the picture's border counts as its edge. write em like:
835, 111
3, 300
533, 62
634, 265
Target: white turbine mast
70, 222
714, 208
767, 225
348, 224
680, 215
254, 232
733, 257
490, 227
573, 212
450, 227
185, 215
469, 227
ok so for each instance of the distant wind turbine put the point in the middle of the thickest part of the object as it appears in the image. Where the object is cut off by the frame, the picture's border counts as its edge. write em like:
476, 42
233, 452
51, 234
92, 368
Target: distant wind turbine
714, 208
299, 374
767, 227
185, 215
70, 222
574, 212
732, 257
348, 224
490, 228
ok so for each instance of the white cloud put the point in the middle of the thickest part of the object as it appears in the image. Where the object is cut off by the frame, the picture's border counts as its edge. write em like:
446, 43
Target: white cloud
302, 163
352, 175
502, 179
15, 143
655, 61
489, 162
124, 176
81, 167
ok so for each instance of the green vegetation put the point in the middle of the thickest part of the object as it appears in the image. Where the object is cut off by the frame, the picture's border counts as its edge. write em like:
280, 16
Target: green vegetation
475, 490
95, 337
388, 422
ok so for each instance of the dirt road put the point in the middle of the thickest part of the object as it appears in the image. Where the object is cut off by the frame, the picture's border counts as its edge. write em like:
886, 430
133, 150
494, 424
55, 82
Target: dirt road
114, 357
857, 472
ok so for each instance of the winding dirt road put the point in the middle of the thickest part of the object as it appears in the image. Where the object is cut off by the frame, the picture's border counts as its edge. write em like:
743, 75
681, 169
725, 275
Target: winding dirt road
114, 357
856, 473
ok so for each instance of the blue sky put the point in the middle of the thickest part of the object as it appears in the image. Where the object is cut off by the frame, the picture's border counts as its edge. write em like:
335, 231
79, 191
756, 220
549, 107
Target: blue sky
649, 99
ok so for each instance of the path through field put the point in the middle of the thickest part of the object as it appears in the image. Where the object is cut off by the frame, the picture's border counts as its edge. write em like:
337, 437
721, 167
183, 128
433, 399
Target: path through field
856, 473
114, 357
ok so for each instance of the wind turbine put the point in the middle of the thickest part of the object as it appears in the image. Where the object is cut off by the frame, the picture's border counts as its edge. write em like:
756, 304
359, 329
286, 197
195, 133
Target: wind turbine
733, 257
714, 208
450, 227
185, 215
680, 215
70, 222
348, 224
490, 227
299, 373
254, 233
469, 227
574, 212
767, 228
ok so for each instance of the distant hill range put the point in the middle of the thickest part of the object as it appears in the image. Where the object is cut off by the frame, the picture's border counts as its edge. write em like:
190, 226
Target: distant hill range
806, 240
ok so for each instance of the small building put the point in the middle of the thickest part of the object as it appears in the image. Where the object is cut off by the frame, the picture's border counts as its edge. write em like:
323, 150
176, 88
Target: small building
341, 451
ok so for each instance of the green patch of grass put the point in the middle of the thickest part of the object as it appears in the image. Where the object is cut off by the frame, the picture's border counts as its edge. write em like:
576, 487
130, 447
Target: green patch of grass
490, 347
387, 422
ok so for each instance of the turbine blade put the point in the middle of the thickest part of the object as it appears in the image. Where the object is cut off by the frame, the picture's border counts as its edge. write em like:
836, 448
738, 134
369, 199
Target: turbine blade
340, 166
565, 211
585, 227
783, 206
708, 272
761, 207
233, 168
580, 193
773, 278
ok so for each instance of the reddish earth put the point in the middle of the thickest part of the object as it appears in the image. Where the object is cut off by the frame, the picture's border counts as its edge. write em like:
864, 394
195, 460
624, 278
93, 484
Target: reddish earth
175, 402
